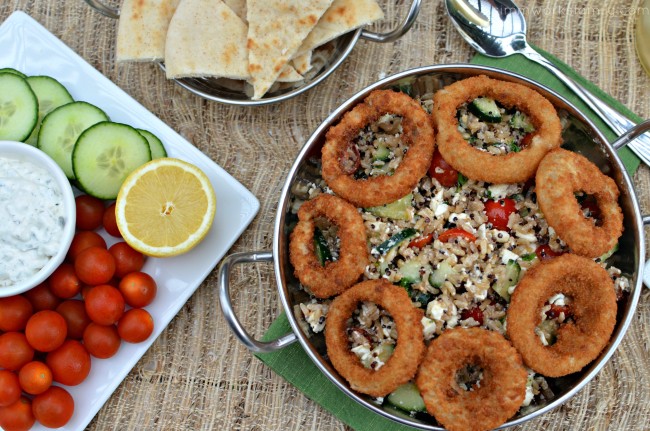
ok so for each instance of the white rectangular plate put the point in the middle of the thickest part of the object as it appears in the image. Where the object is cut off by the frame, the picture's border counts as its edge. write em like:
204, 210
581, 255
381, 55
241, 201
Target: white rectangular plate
27, 46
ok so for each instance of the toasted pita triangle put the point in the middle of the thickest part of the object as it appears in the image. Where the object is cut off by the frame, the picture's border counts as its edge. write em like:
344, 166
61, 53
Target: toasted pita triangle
142, 29
276, 30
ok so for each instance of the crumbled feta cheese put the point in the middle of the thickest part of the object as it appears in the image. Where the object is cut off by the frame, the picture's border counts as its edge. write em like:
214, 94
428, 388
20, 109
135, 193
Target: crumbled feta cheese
507, 256
498, 191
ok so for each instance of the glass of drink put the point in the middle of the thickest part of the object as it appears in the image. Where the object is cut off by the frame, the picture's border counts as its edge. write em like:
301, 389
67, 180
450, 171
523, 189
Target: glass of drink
642, 35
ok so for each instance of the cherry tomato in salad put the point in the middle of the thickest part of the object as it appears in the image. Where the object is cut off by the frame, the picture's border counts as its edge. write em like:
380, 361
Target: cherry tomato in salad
498, 212
42, 297
9, 388
475, 313
591, 209
126, 259
46, 330
109, 222
82, 240
545, 252
70, 363
135, 326
138, 288
442, 171
15, 311
17, 416
102, 341
54, 407
456, 232
90, 211
104, 304
64, 282
35, 377
15, 351
95, 265
556, 310
76, 318
422, 241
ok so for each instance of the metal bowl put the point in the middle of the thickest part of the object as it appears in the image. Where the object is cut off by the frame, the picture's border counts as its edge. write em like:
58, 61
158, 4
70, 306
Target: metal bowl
325, 60
581, 136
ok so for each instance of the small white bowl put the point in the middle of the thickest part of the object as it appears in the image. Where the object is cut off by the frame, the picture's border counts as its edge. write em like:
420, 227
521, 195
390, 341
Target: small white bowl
22, 151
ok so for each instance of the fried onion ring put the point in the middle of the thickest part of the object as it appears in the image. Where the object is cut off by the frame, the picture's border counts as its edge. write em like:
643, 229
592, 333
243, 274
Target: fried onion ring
593, 307
336, 276
402, 364
493, 401
417, 133
481, 165
560, 174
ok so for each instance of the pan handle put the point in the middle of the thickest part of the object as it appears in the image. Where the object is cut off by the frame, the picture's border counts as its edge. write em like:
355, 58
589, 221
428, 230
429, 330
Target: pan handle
104, 9
398, 32
229, 313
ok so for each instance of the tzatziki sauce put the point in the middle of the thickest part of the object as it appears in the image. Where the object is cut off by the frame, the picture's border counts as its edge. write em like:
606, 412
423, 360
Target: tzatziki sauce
31, 219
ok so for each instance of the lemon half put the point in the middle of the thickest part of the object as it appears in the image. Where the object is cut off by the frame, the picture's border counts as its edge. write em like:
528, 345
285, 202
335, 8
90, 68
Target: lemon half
165, 207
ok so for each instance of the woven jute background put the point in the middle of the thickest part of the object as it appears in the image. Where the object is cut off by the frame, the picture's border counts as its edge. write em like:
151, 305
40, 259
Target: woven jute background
196, 375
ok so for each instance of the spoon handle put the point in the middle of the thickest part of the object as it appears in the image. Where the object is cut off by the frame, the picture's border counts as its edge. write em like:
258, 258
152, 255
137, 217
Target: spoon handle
614, 119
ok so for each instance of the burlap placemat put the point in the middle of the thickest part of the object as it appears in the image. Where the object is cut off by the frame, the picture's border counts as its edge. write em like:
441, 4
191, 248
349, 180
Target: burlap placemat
196, 375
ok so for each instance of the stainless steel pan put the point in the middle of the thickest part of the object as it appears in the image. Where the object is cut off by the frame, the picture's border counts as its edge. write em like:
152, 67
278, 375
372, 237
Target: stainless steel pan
585, 138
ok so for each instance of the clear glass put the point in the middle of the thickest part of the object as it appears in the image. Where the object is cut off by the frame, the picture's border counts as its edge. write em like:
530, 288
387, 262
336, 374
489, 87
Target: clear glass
642, 35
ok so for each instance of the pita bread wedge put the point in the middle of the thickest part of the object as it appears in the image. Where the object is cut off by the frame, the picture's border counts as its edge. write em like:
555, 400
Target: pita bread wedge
237, 6
276, 30
302, 62
142, 29
342, 17
206, 38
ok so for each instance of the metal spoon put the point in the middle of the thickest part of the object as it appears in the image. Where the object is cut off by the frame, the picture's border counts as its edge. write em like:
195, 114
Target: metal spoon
497, 28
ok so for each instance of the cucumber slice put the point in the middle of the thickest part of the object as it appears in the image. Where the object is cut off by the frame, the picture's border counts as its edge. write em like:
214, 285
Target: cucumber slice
320, 247
410, 270
381, 153
521, 121
155, 145
14, 71
398, 210
485, 109
105, 154
396, 240
407, 398
18, 108
608, 254
503, 285
439, 275
61, 128
50, 94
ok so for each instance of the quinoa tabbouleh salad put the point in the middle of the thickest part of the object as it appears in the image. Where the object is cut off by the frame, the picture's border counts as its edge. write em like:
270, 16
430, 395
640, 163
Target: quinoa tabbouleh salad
458, 246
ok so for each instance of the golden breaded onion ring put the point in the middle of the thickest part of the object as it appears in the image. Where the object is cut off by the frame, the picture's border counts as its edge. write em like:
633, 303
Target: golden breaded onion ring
498, 396
480, 165
562, 173
382, 189
338, 275
402, 364
593, 307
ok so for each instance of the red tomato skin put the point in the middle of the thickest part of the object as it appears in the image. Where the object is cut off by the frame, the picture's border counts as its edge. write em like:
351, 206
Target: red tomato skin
70, 363
42, 382
9, 388
15, 351
95, 265
18, 416
442, 171
139, 289
135, 326
64, 282
102, 341
126, 259
422, 241
90, 211
109, 222
104, 304
15, 311
456, 232
54, 407
476, 313
545, 252
42, 297
82, 240
76, 318
498, 212
46, 330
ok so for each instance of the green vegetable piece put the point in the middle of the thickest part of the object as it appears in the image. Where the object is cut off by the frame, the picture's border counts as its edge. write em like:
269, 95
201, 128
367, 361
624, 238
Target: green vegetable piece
485, 109
396, 240
407, 398
398, 210
320, 246
511, 278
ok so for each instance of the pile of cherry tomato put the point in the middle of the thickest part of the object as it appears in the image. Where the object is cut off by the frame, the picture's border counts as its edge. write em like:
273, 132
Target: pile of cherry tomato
87, 307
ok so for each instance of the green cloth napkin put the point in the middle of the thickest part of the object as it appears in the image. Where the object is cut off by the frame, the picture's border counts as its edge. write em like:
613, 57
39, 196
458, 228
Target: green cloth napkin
296, 367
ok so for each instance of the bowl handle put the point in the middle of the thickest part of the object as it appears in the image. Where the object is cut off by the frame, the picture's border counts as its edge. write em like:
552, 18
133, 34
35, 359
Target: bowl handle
228, 311
398, 32
106, 10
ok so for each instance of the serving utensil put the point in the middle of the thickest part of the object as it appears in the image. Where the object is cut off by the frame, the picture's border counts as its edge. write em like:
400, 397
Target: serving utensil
497, 28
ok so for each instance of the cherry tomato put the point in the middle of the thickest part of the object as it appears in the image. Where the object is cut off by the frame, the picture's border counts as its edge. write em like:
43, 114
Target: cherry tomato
126, 259
46, 330
9, 388
70, 363
109, 222
442, 171
90, 212
15, 351
456, 232
593, 210
139, 289
476, 313
14, 313
556, 310
498, 212
18, 416
82, 240
350, 160
102, 341
64, 282
422, 241
76, 318
35, 377
135, 326
54, 407
42, 298
104, 304
545, 252
95, 265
